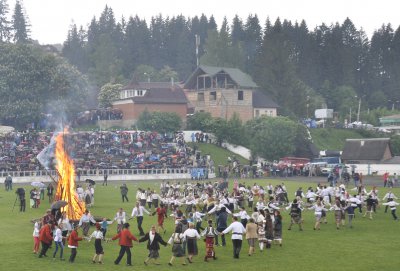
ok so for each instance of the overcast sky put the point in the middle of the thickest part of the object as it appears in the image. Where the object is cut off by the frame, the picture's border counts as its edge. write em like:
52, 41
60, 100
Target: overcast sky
51, 19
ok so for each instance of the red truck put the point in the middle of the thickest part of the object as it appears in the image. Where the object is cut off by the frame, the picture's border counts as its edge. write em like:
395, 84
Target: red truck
294, 162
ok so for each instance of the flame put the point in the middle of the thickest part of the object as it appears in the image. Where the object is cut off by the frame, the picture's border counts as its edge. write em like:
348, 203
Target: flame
66, 181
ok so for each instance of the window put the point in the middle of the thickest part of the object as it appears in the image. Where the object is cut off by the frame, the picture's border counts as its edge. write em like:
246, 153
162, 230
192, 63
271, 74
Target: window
139, 92
257, 113
200, 97
213, 96
240, 95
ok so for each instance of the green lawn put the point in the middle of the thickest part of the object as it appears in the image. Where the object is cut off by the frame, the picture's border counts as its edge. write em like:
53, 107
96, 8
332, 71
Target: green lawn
332, 139
218, 154
370, 245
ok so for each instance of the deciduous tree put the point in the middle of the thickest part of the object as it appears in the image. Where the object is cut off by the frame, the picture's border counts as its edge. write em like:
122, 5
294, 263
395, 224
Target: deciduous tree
162, 122
109, 93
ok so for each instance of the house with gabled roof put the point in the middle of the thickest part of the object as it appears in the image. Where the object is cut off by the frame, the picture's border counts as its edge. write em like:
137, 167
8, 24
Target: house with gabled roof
367, 151
151, 96
223, 91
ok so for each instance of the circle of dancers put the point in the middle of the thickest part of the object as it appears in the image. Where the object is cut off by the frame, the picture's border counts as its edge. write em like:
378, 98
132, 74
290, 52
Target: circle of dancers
193, 205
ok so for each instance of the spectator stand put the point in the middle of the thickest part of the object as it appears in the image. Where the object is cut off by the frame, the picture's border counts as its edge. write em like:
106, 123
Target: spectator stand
121, 153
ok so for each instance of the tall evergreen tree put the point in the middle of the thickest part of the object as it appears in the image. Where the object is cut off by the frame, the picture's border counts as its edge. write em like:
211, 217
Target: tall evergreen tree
350, 54
396, 67
136, 45
305, 55
380, 61
237, 33
219, 50
74, 48
104, 45
275, 71
212, 25
200, 27
319, 41
363, 47
20, 25
252, 42
181, 55
158, 34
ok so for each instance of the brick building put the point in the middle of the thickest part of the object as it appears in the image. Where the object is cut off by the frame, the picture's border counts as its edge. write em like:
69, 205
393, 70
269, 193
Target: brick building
224, 91
153, 96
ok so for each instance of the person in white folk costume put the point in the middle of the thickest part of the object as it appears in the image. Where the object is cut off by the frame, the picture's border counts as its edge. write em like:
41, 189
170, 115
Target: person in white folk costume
139, 211
237, 230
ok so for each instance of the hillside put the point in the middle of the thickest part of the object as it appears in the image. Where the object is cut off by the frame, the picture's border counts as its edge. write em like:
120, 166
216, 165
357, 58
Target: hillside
218, 154
333, 139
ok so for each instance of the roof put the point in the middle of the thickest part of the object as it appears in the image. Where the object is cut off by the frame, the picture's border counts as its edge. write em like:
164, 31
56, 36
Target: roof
158, 93
240, 78
365, 149
162, 96
390, 119
262, 100
149, 85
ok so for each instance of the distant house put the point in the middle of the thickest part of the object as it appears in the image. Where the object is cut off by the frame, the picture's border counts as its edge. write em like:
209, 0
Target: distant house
393, 120
224, 91
153, 96
367, 151
390, 124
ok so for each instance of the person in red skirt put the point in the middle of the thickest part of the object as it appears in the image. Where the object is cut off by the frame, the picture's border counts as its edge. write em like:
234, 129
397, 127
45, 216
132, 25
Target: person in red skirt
210, 232
161, 215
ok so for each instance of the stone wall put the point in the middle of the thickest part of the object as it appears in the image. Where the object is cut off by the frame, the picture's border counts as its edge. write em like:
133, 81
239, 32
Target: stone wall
224, 103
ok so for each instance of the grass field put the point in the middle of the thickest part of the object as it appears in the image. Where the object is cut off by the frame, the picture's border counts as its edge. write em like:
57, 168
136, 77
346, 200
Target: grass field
370, 245
332, 139
218, 154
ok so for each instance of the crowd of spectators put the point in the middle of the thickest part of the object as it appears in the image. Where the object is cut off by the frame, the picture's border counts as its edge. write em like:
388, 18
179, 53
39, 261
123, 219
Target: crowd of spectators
18, 150
92, 116
101, 150
89, 117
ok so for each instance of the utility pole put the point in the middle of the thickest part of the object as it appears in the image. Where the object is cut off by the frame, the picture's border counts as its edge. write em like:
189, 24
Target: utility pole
197, 37
350, 116
358, 112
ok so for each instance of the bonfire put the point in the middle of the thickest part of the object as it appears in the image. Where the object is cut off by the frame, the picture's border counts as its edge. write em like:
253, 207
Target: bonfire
66, 189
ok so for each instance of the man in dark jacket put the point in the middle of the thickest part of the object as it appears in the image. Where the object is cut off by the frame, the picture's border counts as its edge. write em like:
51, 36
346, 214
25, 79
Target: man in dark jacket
222, 224
153, 240
124, 193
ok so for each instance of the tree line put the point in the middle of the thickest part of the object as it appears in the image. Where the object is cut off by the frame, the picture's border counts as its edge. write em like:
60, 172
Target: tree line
335, 66
330, 66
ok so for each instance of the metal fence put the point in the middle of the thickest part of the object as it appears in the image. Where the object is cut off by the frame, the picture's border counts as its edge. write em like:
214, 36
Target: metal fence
100, 172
